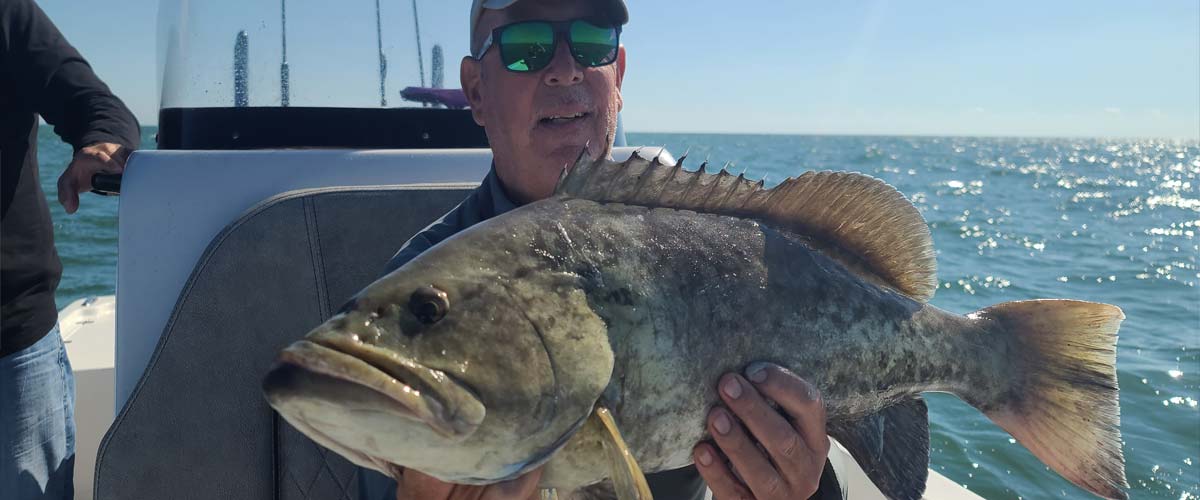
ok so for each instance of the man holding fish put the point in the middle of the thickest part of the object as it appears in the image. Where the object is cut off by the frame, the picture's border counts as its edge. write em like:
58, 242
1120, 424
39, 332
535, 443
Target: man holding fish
540, 109
560, 328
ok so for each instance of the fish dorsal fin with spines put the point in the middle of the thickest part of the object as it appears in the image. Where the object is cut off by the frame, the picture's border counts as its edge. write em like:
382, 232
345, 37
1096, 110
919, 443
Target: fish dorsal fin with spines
870, 226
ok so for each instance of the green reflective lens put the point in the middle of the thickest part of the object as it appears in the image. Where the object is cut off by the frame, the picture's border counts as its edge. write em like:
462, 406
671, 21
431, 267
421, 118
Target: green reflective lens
593, 45
527, 46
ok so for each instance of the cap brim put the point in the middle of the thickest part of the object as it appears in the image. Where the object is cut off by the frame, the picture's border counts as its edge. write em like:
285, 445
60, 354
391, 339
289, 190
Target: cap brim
619, 11
618, 6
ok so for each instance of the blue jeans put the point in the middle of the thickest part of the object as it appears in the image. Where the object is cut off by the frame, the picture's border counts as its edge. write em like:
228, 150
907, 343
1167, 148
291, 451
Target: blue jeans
37, 422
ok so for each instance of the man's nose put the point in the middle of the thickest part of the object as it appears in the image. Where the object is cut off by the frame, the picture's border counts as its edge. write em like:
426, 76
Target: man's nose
563, 70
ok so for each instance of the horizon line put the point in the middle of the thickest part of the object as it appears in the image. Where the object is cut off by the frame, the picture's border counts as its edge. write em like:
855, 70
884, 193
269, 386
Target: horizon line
912, 134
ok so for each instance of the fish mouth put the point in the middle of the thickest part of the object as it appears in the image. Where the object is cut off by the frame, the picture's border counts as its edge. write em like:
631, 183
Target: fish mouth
319, 364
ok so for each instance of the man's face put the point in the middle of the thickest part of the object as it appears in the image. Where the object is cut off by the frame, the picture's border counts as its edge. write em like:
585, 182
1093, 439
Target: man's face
527, 116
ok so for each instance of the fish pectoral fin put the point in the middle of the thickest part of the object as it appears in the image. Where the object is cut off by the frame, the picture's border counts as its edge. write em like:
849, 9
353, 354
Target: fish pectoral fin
891, 446
628, 481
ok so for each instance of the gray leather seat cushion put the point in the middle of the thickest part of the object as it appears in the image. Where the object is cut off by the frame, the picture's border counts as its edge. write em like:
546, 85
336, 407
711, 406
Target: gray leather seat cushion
197, 425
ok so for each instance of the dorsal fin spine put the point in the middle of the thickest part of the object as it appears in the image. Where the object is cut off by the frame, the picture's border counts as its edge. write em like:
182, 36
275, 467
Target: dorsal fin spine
856, 219
709, 197
683, 157
749, 195
562, 176
666, 184
657, 158
622, 170
637, 189
695, 179
586, 169
733, 186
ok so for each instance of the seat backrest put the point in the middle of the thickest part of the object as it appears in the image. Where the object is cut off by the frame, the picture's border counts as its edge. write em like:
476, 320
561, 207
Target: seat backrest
197, 425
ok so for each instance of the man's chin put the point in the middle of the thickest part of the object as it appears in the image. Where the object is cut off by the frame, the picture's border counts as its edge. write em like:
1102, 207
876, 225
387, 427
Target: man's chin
565, 155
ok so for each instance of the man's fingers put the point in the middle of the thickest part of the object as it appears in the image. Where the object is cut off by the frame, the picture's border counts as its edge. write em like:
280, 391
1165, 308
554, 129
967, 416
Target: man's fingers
717, 475
77, 178
798, 398
68, 192
119, 157
751, 463
788, 450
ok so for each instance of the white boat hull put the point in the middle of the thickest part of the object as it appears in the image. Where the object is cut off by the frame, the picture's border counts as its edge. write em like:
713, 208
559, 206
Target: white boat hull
88, 328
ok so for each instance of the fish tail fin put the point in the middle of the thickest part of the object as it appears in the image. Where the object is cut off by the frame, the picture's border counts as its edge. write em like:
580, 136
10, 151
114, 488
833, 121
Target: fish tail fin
1065, 407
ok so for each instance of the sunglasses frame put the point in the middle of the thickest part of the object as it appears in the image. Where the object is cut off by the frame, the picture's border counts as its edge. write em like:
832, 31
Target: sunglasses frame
561, 30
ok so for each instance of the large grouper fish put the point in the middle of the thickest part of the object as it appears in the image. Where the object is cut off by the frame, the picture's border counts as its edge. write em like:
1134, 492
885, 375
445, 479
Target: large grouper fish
609, 310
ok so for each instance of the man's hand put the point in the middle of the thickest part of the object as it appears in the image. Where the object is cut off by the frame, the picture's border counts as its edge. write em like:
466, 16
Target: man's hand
418, 486
105, 157
789, 456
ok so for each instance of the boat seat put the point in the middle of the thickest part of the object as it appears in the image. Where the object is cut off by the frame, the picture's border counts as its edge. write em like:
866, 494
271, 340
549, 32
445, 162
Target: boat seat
197, 425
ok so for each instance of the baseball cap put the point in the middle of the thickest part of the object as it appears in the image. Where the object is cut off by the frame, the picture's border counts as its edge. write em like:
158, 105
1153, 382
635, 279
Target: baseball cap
620, 14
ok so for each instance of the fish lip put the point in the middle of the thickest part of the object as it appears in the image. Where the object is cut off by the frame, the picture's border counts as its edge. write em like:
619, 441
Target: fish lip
421, 393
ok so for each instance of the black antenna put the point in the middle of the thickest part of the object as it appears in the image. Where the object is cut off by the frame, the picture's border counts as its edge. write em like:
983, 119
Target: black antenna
241, 61
420, 62
382, 58
284, 83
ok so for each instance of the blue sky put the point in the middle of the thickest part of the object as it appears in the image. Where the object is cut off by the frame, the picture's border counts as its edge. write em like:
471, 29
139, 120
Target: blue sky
1014, 68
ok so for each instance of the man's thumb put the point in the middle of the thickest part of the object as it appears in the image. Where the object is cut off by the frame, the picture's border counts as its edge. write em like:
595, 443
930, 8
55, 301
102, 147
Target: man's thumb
68, 192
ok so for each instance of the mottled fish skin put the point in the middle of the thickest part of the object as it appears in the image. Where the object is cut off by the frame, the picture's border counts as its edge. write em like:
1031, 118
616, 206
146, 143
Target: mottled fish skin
567, 303
688, 297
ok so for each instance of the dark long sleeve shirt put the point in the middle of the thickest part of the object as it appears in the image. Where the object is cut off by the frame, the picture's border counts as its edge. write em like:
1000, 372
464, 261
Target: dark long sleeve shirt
41, 74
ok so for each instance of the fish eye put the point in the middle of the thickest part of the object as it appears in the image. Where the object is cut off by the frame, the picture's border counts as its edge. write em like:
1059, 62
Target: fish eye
429, 304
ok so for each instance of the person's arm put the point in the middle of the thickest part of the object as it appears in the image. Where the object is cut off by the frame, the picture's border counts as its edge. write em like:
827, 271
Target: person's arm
54, 80
791, 459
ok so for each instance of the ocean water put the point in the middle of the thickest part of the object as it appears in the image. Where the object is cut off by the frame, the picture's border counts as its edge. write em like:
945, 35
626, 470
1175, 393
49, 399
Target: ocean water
1110, 221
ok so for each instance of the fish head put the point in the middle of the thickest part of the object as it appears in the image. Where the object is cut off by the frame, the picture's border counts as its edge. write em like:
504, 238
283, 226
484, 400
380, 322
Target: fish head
460, 364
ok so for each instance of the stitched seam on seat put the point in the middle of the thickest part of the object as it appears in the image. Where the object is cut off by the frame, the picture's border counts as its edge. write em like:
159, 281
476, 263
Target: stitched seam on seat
351, 482
169, 329
202, 265
275, 455
314, 249
312, 483
217, 242
295, 482
325, 462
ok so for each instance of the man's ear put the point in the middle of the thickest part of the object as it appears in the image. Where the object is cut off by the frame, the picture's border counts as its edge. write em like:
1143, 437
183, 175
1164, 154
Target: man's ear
620, 75
470, 77
620, 64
